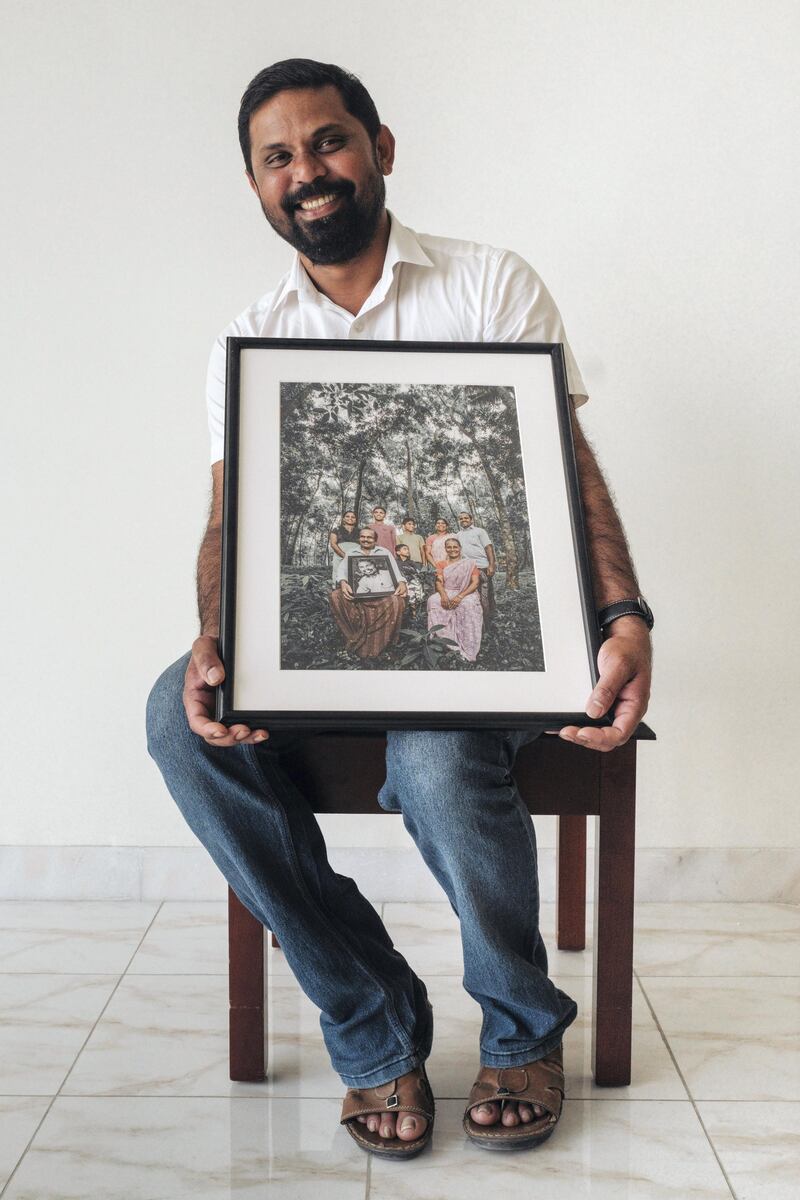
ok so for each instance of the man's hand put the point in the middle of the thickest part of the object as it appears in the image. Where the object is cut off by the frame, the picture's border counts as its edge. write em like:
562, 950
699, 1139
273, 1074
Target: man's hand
348, 591
624, 663
204, 673
490, 570
401, 589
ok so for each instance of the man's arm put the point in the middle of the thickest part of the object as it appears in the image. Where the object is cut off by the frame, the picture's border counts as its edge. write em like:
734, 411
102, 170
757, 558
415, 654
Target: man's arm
489, 552
625, 657
205, 670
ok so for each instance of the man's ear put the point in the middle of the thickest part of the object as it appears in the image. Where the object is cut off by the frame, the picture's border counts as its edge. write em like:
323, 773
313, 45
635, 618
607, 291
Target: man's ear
252, 182
384, 149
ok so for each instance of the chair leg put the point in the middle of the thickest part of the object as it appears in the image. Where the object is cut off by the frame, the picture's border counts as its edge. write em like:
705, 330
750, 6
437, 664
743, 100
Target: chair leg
613, 918
571, 883
247, 975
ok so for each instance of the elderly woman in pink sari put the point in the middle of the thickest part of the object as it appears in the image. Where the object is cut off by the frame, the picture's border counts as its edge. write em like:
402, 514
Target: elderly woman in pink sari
455, 604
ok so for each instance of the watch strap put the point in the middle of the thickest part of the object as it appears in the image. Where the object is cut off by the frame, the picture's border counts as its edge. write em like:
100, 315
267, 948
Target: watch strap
637, 607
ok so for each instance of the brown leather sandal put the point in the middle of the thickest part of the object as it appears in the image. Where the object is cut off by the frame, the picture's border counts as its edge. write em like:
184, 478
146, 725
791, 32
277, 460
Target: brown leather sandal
540, 1082
410, 1093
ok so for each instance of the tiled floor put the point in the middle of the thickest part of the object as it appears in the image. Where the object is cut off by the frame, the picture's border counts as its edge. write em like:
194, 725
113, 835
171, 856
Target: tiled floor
114, 1083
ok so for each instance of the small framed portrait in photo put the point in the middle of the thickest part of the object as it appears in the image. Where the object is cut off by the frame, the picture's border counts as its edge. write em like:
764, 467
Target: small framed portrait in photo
403, 541
371, 575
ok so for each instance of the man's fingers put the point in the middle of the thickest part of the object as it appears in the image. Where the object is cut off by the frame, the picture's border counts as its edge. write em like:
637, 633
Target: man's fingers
606, 738
207, 661
613, 677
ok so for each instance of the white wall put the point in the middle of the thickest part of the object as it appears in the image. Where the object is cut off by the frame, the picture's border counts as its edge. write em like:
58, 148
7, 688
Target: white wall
637, 153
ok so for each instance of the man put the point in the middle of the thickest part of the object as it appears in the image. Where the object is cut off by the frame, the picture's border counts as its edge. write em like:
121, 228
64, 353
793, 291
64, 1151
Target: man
386, 535
476, 545
368, 626
415, 541
316, 155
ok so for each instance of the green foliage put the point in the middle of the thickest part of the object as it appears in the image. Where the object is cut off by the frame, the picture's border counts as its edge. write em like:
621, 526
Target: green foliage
311, 641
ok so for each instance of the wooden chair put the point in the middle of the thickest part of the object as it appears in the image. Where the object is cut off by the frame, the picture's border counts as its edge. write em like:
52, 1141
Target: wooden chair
553, 776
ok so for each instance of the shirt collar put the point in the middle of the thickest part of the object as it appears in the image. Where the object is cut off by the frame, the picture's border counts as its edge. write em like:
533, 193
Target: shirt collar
403, 246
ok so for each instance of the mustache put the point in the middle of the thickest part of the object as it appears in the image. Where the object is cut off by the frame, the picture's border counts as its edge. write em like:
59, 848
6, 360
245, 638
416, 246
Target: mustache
344, 188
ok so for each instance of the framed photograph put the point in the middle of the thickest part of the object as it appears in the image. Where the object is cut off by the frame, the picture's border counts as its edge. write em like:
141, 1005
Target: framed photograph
403, 541
371, 576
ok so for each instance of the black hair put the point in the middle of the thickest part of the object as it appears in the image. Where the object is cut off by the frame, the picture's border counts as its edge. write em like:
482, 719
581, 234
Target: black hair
305, 73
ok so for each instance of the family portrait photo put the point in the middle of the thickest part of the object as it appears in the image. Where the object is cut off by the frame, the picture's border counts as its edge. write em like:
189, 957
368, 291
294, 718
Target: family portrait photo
405, 534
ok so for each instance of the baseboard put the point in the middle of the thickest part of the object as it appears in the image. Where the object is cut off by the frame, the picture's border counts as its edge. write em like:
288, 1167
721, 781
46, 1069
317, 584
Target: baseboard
187, 873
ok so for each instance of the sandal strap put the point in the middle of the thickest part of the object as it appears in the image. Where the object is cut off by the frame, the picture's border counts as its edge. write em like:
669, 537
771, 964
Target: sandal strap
540, 1082
410, 1094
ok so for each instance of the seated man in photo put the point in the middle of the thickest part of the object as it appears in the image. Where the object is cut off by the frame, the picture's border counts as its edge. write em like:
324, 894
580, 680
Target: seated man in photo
368, 626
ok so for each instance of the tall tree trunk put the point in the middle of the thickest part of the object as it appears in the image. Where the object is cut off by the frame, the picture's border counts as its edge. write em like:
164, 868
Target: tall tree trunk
292, 542
362, 462
506, 530
411, 503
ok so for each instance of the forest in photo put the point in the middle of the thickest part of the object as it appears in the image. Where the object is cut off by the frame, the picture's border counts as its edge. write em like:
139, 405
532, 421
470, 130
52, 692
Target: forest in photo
438, 466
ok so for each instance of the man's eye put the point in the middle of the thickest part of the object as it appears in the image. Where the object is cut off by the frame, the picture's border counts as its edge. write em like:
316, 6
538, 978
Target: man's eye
277, 160
331, 143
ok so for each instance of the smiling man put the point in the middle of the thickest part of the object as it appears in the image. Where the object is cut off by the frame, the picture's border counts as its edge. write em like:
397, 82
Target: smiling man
316, 156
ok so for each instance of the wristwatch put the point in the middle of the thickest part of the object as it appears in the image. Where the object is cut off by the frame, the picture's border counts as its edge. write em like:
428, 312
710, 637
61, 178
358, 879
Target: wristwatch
626, 608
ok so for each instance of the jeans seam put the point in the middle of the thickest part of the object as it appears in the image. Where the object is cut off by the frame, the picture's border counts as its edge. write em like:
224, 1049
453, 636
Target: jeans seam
392, 1015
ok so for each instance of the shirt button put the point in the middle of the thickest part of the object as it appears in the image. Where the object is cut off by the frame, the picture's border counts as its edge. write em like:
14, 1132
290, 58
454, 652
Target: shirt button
356, 327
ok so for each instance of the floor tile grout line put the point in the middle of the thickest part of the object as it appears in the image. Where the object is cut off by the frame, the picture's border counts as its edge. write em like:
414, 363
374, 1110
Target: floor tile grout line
80, 1052
368, 1177
685, 1084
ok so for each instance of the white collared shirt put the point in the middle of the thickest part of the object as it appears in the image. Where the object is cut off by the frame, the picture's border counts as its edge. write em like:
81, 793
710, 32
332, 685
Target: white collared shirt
432, 289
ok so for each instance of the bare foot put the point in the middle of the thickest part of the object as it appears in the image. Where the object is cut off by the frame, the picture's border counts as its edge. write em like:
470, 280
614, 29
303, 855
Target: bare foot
406, 1126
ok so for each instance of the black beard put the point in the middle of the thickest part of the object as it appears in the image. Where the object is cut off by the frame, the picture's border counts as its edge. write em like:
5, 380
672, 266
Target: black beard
345, 233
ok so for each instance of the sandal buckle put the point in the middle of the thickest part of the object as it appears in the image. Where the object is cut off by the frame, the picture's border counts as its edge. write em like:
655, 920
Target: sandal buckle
503, 1091
392, 1101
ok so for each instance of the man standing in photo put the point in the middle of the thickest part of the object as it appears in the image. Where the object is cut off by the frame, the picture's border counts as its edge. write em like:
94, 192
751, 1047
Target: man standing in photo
475, 544
385, 534
316, 157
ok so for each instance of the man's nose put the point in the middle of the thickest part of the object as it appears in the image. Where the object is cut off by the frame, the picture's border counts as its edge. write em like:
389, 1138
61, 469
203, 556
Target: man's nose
307, 166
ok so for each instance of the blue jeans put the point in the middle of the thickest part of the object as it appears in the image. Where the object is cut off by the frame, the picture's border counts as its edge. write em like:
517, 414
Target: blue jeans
463, 810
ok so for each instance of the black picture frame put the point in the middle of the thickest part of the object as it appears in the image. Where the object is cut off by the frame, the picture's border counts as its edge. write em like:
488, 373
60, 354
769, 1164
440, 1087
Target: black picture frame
319, 714
381, 563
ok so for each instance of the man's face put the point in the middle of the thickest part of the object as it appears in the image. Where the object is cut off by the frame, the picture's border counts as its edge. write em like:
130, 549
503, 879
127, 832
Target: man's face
403, 553
409, 526
366, 540
307, 148
464, 520
378, 514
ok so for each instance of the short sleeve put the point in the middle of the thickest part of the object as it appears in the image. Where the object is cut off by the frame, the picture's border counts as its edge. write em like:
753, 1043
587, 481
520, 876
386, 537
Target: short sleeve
215, 397
522, 310
484, 538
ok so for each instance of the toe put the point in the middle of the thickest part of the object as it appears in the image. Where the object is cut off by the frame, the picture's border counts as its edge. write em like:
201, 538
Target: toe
388, 1123
373, 1123
510, 1115
525, 1113
485, 1114
410, 1127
